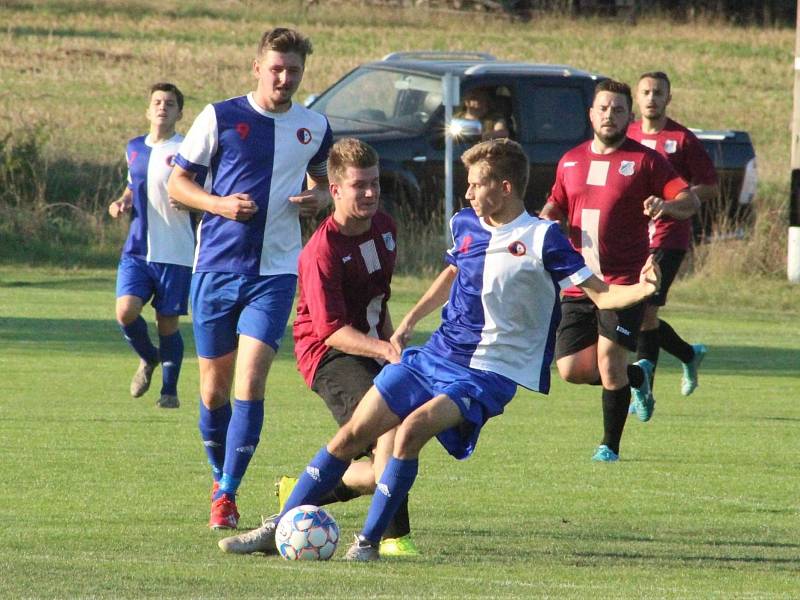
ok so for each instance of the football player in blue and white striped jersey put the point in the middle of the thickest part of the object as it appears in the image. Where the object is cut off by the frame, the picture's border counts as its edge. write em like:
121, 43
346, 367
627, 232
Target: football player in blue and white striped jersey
158, 253
260, 149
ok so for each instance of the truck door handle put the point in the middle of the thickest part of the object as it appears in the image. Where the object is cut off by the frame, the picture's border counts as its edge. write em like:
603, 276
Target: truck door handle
420, 159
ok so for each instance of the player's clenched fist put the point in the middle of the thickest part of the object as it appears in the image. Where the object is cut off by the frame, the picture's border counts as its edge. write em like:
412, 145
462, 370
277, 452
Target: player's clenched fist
236, 207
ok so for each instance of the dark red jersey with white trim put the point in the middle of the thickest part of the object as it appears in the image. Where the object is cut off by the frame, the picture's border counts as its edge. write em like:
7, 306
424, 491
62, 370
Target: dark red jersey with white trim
602, 196
688, 157
343, 280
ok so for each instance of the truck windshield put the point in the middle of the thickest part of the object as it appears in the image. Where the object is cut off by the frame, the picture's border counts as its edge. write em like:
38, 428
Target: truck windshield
389, 99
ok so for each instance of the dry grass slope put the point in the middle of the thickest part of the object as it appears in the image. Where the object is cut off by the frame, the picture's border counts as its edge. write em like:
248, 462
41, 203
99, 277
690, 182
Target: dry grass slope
80, 70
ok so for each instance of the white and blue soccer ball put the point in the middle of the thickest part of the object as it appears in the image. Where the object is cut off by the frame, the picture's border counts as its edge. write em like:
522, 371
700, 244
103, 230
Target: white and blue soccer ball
307, 533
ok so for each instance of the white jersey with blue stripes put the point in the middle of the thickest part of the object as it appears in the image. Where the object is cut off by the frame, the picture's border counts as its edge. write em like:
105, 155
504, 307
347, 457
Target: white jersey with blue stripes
158, 232
504, 305
250, 150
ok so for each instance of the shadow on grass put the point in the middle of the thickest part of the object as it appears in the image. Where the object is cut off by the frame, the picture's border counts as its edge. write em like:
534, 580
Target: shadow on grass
88, 284
745, 360
75, 334
656, 559
93, 335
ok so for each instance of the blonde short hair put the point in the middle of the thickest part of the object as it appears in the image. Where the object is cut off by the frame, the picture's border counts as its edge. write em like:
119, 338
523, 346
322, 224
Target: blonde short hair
501, 159
349, 152
284, 40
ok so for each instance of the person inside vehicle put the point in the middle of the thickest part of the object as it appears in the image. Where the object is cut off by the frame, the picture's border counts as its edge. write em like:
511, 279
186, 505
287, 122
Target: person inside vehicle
477, 106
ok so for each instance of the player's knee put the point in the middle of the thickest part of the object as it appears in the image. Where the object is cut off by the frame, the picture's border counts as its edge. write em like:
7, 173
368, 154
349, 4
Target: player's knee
614, 376
167, 325
214, 393
572, 374
126, 315
350, 441
410, 438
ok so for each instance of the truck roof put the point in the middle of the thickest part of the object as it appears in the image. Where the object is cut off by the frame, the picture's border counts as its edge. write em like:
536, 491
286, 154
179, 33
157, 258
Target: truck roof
472, 63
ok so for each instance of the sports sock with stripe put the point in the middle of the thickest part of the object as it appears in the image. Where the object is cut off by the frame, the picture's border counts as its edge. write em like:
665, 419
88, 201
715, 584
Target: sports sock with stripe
244, 433
136, 335
392, 490
170, 349
321, 476
213, 425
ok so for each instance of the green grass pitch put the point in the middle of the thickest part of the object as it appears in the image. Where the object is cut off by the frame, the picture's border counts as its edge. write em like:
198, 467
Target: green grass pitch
107, 497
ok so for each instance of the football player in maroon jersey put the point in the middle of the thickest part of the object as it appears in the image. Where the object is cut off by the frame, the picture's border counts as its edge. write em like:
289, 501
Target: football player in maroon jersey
606, 191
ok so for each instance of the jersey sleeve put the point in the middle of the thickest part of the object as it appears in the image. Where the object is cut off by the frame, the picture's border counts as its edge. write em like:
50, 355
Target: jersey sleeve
318, 165
558, 193
701, 168
450, 253
128, 162
561, 260
665, 181
322, 277
200, 143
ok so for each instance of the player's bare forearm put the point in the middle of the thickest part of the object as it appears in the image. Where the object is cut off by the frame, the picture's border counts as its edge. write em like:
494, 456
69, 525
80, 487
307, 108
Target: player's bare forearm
183, 188
705, 192
683, 206
433, 298
350, 340
617, 297
552, 213
314, 199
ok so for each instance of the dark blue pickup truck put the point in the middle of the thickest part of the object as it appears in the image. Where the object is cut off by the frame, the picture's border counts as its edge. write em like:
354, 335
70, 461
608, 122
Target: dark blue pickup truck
396, 105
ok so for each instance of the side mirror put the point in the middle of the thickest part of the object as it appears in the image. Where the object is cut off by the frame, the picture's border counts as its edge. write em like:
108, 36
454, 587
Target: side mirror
465, 130
310, 100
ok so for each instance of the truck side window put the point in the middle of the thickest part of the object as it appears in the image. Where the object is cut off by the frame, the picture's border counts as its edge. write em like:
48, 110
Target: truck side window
554, 114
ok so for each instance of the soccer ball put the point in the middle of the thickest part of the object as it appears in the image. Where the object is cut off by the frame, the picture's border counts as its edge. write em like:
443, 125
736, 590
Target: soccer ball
307, 533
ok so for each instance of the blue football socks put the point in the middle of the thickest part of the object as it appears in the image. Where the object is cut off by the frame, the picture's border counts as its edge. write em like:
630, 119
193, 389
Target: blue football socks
137, 336
244, 432
171, 353
392, 489
213, 425
321, 475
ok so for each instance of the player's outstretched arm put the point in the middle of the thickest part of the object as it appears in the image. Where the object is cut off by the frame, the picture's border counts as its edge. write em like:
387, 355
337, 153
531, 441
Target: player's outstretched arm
683, 206
433, 298
706, 192
617, 297
122, 204
184, 189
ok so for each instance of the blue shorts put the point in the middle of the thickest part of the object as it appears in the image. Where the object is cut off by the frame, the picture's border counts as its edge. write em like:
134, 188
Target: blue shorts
225, 305
422, 375
167, 284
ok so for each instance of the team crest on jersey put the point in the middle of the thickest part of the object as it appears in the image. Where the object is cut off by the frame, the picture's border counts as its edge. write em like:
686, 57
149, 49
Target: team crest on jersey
517, 248
670, 146
627, 167
465, 244
170, 160
304, 135
243, 129
388, 241
132, 157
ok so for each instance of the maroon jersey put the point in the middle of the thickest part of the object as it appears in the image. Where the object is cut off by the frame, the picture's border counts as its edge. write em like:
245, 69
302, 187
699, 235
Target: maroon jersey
602, 196
343, 280
686, 154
